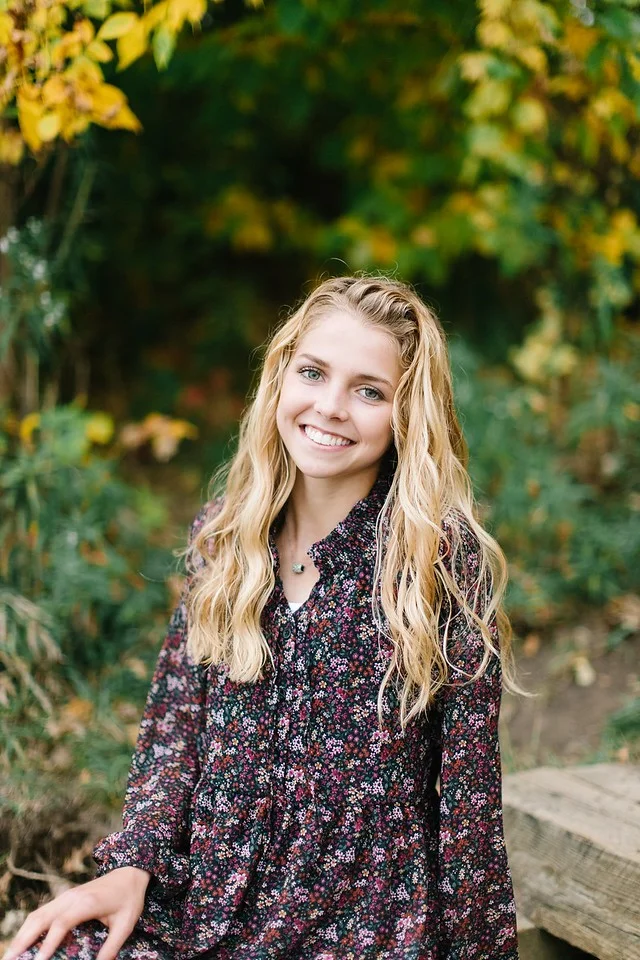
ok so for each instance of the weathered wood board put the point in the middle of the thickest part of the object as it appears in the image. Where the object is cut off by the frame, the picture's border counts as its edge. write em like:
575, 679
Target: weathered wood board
535, 944
573, 839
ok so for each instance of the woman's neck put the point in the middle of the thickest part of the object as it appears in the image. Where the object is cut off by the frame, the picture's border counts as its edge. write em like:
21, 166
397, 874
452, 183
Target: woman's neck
316, 506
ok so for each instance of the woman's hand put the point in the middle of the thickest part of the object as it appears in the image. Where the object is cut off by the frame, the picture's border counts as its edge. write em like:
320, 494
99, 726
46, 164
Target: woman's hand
116, 899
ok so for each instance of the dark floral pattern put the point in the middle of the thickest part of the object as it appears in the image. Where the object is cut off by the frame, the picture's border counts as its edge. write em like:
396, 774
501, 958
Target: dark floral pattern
279, 822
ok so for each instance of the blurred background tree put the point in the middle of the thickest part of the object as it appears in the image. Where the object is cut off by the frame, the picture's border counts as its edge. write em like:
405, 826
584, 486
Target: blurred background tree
487, 152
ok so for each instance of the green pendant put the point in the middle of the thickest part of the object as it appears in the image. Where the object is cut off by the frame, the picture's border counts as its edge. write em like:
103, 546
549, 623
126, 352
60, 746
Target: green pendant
297, 567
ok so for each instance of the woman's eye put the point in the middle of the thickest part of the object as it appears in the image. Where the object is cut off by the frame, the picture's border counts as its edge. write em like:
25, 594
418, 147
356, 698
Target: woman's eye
309, 370
377, 394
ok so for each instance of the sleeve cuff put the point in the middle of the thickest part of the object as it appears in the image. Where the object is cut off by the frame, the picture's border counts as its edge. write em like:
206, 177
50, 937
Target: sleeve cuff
170, 871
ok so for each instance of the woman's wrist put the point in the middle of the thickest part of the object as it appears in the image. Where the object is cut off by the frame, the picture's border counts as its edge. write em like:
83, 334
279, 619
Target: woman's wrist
143, 875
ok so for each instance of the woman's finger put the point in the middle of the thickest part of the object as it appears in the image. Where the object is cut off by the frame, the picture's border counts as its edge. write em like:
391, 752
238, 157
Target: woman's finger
33, 928
57, 932
118, 933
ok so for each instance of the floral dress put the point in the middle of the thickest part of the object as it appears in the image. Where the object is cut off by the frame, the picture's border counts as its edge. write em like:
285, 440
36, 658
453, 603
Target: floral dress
277, 819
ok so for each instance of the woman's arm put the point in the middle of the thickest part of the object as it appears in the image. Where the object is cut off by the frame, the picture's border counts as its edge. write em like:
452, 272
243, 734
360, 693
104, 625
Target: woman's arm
475, 888
165, 765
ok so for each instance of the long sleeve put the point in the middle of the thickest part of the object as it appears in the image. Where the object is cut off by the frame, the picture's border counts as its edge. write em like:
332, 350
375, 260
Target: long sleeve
474, 880
165, 765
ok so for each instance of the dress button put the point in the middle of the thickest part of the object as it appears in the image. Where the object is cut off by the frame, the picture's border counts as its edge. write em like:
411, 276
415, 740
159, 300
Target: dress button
287, 631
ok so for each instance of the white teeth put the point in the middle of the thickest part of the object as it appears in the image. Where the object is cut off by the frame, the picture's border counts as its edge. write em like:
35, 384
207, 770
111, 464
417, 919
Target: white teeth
325, 439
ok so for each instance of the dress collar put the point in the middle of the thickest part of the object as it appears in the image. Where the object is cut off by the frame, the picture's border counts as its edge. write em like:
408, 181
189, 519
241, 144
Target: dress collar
351, 539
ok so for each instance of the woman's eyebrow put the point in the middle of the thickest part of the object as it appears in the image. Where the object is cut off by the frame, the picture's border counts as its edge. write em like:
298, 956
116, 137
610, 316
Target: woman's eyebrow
356, 376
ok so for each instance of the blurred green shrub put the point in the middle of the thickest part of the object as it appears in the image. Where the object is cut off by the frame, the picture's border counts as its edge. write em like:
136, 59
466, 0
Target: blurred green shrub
556, 467
83, 577
623, 727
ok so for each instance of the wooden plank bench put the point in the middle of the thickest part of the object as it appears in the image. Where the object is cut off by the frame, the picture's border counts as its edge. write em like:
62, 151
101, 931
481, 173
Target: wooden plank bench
573, 839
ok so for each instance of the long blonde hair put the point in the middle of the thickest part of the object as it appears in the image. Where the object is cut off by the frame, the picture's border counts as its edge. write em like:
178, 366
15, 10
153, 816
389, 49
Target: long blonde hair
430, 497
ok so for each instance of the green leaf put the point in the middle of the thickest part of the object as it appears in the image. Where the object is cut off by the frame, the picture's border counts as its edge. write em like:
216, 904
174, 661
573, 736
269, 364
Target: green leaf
164, 43
98, 9
620, 24
117, 25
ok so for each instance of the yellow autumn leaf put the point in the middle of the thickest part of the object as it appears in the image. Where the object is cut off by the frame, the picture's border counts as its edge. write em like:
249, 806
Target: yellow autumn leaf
38, 20
494, 9
132, 45
107, 101
624, 220
182, 429
84, 70
611, 102
30, 423
533, 57
11, 147
54, 91
117, 25
473, 66
613, 247
100, 428
620, 149
384, 248
66, 48
574, 87
29, 113
633, 61
156, 14
48, 126
563, 360
98, 50
56, 16
535, 16
84, 30
180, 10
494, 33
490, 98
6, 29
125, 119
73, 125
529, 115
579, 38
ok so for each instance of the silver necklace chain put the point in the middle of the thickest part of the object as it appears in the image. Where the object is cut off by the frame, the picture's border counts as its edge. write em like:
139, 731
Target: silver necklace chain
295, 567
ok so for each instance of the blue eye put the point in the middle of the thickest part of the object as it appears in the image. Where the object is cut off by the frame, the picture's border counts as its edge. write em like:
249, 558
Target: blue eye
307, 369
378, 395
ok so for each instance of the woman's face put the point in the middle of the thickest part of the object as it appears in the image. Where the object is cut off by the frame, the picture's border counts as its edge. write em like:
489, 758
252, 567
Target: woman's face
339, 386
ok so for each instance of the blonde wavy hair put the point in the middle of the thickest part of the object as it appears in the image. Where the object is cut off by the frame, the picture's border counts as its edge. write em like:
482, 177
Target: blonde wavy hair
230, 564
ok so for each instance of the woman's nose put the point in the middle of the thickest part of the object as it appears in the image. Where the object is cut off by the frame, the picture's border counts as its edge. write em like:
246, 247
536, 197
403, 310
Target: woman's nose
331, 405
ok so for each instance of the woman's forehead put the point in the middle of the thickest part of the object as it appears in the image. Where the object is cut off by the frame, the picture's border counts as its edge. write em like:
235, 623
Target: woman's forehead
340, 337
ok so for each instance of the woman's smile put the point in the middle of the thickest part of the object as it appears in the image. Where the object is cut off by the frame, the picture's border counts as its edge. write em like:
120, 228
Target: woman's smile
327, 441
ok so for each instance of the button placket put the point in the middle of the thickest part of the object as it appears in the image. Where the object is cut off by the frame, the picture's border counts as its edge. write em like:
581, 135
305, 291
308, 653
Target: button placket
294, 681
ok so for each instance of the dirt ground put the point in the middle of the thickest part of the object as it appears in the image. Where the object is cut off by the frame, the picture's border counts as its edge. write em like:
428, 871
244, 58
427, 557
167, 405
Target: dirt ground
579, 684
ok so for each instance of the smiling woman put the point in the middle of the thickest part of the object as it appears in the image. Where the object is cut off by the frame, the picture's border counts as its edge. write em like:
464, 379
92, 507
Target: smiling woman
282, 799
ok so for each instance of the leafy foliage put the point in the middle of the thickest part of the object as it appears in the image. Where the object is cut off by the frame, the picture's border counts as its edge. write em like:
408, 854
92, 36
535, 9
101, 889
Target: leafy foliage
53, 64
556, 467
83, 572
